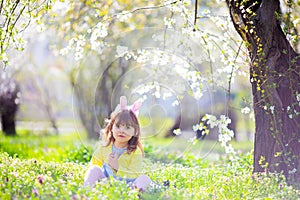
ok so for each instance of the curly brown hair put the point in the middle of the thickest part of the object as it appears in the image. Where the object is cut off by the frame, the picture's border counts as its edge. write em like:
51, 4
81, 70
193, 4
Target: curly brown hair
129, 118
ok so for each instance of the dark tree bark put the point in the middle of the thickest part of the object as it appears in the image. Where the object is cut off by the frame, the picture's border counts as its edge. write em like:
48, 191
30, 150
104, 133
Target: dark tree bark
9, 91
274, 73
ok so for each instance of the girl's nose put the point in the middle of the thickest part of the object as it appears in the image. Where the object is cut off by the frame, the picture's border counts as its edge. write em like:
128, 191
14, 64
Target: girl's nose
122, 129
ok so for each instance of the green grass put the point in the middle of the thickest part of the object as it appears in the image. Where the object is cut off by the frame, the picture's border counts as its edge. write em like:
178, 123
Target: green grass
52, 167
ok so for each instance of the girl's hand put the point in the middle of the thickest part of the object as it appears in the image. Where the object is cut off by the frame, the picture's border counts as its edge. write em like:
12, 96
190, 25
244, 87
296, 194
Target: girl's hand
113, 161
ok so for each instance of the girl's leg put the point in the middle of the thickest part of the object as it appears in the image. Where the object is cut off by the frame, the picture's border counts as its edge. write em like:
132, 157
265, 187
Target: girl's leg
93, 174
142, 182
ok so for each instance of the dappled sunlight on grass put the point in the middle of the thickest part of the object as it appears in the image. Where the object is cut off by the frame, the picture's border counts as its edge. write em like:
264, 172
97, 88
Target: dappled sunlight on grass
53, 167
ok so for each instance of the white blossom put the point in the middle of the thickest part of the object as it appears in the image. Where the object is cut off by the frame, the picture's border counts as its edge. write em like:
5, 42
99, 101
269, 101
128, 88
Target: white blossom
100, 31
98, 46
293, 171
211, 120
245, 110
272, 109
229, 149
121, 51
4, 57
169, 22
175, 103
79, 49
177, 131
124, 16
192, 140
205, 12
166, 95
298, 97
196, 127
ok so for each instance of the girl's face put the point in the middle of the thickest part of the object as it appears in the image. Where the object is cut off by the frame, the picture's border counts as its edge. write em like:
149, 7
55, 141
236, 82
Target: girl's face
122, 132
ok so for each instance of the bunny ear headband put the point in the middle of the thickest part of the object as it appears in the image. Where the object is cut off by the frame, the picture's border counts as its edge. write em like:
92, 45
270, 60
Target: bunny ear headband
123, 106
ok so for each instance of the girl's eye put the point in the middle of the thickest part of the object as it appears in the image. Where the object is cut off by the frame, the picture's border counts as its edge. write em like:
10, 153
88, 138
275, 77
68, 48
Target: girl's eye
117, 125
128, 127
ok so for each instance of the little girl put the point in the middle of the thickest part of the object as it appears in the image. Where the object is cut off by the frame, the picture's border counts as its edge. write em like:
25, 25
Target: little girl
121, 156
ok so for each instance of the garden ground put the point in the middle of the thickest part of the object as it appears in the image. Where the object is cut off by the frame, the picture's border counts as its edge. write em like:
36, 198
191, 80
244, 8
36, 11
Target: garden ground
52, 167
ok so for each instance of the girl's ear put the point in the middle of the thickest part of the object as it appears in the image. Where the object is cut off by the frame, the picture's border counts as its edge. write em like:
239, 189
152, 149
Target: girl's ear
123, 102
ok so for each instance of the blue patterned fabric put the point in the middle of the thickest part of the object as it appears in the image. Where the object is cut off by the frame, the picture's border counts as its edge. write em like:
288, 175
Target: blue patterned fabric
108, 171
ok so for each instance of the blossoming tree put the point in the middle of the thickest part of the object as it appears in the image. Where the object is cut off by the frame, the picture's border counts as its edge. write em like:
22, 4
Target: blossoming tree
274, 70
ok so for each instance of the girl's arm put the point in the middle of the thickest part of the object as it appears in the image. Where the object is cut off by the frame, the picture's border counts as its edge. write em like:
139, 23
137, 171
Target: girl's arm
98, 158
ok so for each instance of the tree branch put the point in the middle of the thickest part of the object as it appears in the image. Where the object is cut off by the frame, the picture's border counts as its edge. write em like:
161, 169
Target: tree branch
146, 8
196, 11
1, 6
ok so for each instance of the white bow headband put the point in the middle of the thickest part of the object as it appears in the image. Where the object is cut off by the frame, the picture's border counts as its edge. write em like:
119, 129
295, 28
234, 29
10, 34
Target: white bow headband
123, 106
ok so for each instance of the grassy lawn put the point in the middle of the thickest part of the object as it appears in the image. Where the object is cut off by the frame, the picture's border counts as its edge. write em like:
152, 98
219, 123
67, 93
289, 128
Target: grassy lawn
52, 167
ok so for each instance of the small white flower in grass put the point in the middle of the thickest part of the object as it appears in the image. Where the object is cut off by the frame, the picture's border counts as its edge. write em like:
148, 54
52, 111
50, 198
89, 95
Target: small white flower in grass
290, 116
177, 131
245, 110
265, 108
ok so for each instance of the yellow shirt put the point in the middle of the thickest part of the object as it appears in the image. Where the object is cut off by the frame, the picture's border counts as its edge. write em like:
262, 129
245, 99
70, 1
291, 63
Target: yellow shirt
130, 165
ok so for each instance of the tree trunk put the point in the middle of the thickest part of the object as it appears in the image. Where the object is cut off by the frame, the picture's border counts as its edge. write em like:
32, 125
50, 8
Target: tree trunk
9, 98
274, 73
